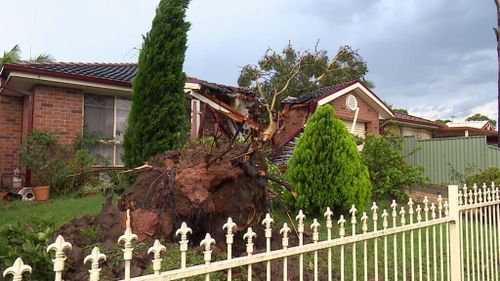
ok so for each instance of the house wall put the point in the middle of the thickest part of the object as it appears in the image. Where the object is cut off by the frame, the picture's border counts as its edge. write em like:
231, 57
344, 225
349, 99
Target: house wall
58, 110
11, 115
366, 114
420, 134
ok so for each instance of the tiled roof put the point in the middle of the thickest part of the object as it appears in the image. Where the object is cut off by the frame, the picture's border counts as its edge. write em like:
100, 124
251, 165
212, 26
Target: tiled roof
398, 116
305, 98
123, 72
115, 73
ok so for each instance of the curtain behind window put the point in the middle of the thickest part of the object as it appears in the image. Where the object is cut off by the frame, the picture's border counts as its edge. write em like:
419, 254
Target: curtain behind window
99, 115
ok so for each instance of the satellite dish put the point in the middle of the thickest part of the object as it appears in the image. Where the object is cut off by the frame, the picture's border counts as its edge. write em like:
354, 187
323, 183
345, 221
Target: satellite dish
351, 102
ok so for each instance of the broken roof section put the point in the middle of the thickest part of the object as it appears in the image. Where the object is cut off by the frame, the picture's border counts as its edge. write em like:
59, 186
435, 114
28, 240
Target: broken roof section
327, 94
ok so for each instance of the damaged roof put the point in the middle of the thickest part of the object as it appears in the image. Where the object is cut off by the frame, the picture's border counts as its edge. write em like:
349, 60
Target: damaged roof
308, 97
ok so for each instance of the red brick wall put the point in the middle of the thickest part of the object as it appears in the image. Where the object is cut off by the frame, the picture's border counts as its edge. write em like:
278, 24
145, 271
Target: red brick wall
290, 123
366, 113
58, 110
11, 109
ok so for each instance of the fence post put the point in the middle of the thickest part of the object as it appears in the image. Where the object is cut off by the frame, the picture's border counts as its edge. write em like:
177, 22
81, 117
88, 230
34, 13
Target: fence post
454, 247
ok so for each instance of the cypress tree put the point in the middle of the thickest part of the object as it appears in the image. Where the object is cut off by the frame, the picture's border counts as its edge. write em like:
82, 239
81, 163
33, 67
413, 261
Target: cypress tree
158, 120
326, 168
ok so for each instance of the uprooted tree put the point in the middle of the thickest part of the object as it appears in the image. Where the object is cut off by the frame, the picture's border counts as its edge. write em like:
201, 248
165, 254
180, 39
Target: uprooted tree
291, 73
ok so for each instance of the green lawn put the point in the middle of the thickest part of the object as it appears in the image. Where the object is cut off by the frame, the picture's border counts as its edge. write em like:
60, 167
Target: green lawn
56, 211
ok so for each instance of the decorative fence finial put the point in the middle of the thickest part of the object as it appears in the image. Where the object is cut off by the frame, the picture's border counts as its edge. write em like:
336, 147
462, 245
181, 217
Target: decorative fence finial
410, 209
433, 210
284, 231
385, 222
300, 226
394, 207
341, 222
94, 257
440, 205
207, 242
127, 239
268, 230
402, 214
426, 208
17, 270
315, 226
183, 243
374, 210
364, 222
419, 213
58, 247
157, 249
249, 236
229, 226
329, 223
446, 211
353, 211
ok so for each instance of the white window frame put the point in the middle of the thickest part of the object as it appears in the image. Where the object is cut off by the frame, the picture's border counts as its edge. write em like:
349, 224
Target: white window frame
113, 142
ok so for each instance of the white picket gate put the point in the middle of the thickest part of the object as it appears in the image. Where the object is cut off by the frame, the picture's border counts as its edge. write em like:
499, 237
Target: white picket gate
455, 240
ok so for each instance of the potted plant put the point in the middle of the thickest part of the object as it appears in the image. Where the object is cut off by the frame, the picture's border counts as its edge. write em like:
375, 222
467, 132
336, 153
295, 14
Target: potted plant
46, 159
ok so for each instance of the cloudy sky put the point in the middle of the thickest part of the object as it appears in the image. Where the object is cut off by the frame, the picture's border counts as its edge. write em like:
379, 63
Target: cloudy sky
437, 58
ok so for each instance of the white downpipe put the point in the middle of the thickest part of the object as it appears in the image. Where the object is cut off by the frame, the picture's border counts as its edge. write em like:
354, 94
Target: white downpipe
353, 126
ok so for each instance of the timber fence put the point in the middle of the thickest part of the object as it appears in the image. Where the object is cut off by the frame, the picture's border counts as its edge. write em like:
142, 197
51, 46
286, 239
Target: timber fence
450, 240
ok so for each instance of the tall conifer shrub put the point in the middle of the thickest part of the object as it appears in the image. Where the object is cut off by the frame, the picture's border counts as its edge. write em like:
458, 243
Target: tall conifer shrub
326, 168
158, 120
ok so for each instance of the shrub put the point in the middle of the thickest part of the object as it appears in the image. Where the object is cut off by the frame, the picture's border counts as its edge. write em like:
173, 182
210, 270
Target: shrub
326, 168
28, 241
63, 167
46, 158
487, 176
389, 171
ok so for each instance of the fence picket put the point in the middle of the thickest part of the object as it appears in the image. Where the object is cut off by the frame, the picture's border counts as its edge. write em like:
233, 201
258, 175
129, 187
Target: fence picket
463, 231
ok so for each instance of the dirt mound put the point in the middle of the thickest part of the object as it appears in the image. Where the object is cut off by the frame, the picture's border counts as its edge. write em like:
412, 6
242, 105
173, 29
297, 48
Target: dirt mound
185, 185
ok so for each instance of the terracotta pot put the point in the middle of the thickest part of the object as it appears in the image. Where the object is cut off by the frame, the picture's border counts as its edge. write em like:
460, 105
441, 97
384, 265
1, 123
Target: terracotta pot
42, 192
2, 195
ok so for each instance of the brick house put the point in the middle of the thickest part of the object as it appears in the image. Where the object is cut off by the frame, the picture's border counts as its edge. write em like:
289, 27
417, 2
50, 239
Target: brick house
355, 104
62, 97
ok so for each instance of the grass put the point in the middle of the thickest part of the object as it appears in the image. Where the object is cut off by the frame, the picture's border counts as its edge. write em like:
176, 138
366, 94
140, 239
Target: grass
56, 211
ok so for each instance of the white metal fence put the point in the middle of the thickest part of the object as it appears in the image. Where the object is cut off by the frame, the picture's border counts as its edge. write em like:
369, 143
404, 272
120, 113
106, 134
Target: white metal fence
455, 240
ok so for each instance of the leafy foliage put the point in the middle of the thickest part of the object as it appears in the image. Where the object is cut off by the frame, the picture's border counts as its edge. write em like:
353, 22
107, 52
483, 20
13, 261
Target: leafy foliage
326, 168
27, 241
291, 73
400, 110
14, 55
389, 171
63, 167
158, 120
492, 174
480, 117
443, 121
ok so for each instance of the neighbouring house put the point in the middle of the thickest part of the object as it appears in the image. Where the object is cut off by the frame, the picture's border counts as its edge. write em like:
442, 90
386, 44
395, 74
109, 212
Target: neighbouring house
406, 125
62, 97
355, 104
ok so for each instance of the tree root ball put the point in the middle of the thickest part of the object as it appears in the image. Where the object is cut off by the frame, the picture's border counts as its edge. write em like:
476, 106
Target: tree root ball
181, 186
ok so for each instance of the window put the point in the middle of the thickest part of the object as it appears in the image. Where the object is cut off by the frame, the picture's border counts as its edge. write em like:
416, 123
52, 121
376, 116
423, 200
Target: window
107, 116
